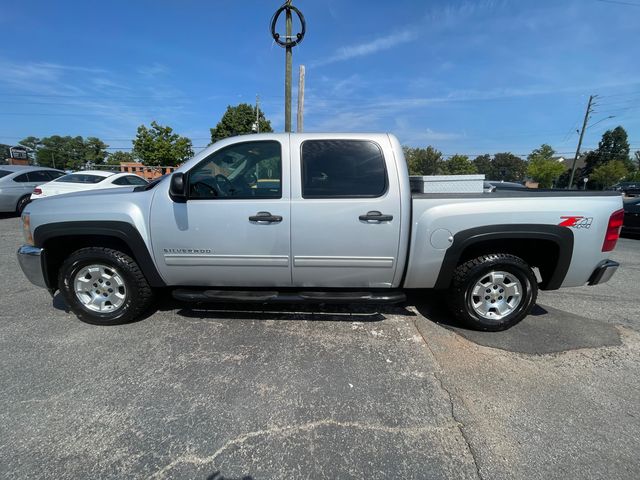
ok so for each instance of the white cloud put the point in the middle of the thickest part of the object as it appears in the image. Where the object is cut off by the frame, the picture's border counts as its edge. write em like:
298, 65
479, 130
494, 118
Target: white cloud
376, 45
153, 70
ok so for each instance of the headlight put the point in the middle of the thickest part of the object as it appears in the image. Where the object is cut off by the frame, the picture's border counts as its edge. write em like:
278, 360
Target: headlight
26, 228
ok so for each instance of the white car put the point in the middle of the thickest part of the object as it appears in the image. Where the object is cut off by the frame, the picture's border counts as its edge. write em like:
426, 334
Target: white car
86, 180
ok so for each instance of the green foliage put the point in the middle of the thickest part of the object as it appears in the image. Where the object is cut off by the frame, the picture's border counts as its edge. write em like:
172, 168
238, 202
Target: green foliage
68, 152
508, 167
483, 165
614, 145
543, 168
118, 157
424, 161
32, 143
609, 173
239, 120
633, 177
95, 151
460, 165
4, 152
159, 146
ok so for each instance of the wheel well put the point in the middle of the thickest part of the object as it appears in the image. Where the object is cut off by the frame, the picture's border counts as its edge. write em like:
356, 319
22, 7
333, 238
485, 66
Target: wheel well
543, 254
59, 248
27, 196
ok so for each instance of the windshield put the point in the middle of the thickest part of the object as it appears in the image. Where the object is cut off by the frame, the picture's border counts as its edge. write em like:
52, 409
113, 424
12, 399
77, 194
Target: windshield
4, 173
80, 178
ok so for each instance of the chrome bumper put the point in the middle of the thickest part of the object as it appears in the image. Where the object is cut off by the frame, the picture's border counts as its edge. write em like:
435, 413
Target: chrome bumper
30, 259
603, 272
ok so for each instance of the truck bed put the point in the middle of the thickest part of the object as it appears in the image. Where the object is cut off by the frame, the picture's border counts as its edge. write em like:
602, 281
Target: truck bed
521, 194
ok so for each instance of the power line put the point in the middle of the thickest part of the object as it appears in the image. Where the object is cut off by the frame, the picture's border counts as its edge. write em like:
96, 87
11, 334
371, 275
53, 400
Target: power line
617, 2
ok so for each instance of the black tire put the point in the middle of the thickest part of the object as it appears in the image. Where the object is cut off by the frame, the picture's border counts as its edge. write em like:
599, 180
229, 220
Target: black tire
138, 296
466, 276
23, 202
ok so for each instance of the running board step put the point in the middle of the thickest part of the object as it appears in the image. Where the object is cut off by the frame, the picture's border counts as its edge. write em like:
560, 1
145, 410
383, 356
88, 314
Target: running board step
261, 296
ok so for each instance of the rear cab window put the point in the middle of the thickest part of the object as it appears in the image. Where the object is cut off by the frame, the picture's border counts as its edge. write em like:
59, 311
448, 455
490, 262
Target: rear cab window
343, 169
4, 173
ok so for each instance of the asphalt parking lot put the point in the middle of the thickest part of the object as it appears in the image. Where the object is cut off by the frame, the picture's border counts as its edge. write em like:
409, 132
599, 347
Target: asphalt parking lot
231, 392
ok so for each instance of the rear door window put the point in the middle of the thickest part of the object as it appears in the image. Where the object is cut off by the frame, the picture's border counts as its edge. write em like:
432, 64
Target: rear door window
39, 176
342, 168
24, 178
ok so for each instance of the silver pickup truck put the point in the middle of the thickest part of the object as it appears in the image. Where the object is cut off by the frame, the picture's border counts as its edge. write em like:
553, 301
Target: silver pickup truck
314, 218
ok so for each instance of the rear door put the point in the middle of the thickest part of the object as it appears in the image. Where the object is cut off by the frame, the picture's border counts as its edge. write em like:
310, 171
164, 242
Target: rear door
345, 211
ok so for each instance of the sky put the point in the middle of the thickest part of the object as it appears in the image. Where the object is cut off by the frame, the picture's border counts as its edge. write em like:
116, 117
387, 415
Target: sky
467, 77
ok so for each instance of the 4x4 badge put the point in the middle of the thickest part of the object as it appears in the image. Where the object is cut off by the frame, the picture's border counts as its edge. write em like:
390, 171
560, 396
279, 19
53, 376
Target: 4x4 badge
576, 222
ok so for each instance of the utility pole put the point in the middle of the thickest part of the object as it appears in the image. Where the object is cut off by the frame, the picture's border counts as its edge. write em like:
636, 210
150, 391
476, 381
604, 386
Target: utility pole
288, 43
257, 113
584, 127
287, 79
53, 160
300, 126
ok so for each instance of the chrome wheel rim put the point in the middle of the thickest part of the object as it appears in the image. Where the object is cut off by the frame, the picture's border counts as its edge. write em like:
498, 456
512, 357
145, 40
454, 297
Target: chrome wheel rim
100, 288
496, 295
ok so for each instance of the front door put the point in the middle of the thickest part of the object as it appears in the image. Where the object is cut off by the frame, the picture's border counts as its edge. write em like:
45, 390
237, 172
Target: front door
233, 230
345, 213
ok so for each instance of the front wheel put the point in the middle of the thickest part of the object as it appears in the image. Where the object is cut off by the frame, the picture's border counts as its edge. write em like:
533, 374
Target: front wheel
493, 292
103, 286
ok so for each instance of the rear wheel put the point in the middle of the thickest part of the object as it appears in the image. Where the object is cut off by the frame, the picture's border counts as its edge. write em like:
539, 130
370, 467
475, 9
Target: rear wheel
23, 202
103, 286
493, 292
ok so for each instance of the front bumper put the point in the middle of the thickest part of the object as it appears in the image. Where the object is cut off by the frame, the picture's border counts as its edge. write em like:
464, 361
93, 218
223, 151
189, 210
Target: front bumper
31, 262
603, 272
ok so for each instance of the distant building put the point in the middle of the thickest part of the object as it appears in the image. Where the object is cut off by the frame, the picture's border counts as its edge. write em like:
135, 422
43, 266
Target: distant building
568, 161
148, 173
17, 155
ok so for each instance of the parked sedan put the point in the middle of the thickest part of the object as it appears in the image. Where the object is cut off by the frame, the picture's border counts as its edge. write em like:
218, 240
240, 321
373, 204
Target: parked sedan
631, 215
87, 180
17, 183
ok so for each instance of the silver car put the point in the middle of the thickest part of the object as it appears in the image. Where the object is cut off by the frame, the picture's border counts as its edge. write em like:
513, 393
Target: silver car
17, 183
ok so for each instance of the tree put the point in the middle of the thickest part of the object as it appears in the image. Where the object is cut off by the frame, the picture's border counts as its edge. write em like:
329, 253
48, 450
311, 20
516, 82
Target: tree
95, 151
543, 168
508, 167
483, 165
159, 146
609, 173
424, 161
32, 144
460, 165
614, 145
118, 157
239, 120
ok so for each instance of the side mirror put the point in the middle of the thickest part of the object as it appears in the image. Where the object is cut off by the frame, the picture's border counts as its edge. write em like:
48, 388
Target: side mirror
178, 187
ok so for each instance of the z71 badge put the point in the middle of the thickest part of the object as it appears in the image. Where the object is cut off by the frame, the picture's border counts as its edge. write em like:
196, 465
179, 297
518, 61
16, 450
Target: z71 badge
576, 222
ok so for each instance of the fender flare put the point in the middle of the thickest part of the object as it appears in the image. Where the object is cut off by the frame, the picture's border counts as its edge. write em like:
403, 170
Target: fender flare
123, 231
560, 236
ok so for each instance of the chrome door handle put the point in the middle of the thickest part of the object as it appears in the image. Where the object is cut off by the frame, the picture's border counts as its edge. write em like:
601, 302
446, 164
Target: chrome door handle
265, 217
376, 216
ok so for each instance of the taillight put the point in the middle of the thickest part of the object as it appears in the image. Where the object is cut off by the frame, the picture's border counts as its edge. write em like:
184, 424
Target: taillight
37, 191
613, 231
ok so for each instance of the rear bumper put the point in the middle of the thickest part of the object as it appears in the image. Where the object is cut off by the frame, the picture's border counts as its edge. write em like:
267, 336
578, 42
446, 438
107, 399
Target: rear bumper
31, 262
603, 272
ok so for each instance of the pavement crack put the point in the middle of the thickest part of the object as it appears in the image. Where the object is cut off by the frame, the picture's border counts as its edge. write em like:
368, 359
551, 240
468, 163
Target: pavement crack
194, 459
459, 424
